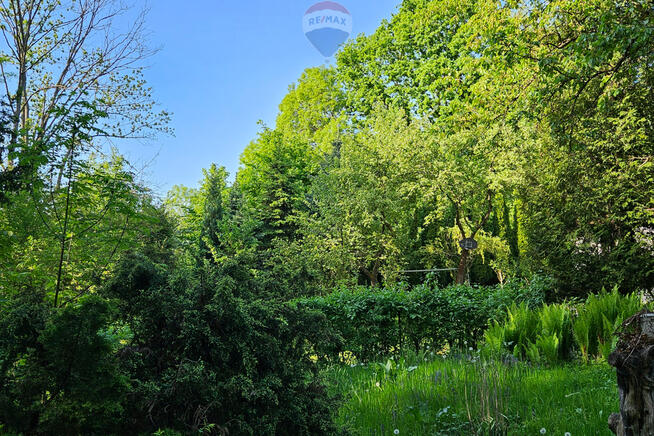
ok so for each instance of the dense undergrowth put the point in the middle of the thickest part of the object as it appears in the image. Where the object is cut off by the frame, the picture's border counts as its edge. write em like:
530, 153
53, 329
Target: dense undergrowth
538, 370
157, 350
564, 331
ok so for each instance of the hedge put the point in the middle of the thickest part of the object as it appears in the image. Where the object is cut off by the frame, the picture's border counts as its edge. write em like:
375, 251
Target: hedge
374, 323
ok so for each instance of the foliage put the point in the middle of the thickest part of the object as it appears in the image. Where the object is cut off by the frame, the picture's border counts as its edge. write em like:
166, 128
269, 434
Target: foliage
311, 112
58, 53
556, 332
206, 353
378, 322
549, 102
407, 61
525, 125
66, 238
59, 374
598, 320
274, 179
579, 72
367, 201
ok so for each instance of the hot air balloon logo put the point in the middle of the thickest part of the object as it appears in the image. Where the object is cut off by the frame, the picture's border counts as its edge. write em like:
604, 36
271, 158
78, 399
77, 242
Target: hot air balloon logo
327, 25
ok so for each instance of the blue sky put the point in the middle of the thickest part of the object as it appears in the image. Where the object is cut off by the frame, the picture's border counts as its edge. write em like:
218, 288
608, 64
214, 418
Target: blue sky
223, 66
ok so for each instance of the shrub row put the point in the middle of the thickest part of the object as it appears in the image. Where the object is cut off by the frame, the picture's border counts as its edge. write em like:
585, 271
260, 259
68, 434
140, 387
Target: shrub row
558, 332
378, 322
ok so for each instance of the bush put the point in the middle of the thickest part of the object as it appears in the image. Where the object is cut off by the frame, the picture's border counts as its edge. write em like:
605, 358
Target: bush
201, 357
599, 318
374, 323
551, 333
58, 373
183, 352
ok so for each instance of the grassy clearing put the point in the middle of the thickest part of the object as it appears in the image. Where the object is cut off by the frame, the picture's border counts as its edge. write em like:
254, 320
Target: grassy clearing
468, 395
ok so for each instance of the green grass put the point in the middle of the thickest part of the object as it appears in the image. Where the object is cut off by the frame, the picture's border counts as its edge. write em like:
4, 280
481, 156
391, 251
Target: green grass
469, 395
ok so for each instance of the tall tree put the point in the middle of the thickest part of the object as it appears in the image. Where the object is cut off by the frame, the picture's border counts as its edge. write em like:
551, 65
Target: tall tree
275, 177
367, 200
312, 111
58, 55
214, 189
408, 61
581, 73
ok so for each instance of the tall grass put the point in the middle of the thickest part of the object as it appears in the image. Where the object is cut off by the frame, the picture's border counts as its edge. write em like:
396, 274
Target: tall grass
465, 396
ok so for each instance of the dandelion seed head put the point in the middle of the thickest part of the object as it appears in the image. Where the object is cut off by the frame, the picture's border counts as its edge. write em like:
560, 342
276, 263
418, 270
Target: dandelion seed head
396, 431
543, 431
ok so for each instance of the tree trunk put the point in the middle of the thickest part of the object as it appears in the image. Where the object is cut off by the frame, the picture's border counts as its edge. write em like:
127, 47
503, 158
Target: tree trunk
64, 232
374, 279
373, 275
463, 267
634, 362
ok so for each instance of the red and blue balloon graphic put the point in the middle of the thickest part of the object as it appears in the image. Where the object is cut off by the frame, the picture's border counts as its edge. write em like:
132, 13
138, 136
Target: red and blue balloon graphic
327, 25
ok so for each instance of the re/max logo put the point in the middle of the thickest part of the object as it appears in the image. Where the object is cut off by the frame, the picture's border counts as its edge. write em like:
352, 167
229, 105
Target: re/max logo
327, 19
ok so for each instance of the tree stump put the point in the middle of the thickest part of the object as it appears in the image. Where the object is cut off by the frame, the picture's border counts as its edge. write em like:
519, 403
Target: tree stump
633, 359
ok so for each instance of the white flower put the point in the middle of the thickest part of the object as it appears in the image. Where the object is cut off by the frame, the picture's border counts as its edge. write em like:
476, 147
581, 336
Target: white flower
396, 431
377, 384
567, 433
543, 431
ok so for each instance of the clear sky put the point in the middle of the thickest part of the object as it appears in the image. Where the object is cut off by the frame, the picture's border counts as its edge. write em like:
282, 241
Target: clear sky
223, 66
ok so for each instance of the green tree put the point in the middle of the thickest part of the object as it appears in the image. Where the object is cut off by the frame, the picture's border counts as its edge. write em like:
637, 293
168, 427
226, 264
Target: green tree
274, 178
67, 237
312, 111
214, 190
421, 61
408, 61
367, 200
580, 73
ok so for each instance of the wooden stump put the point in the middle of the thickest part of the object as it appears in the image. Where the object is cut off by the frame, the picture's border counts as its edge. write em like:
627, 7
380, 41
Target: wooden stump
633, 359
